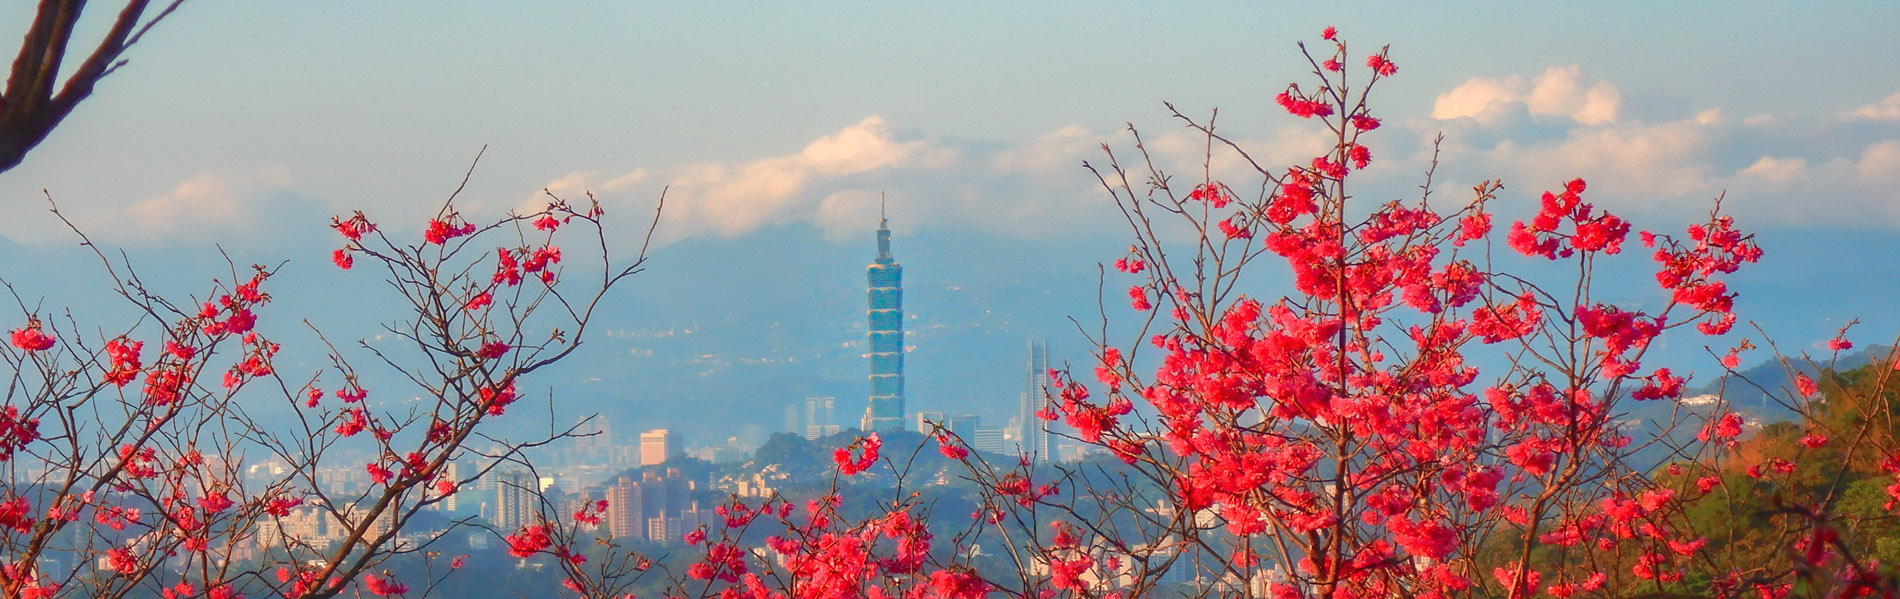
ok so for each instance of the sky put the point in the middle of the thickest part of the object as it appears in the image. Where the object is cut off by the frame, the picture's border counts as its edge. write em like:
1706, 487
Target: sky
244, 125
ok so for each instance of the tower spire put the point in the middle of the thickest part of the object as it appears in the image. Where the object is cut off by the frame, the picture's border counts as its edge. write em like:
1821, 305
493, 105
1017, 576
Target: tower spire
883, 233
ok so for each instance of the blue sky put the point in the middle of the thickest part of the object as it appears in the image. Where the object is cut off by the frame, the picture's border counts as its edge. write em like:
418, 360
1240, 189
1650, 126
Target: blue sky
354, 104
248, 123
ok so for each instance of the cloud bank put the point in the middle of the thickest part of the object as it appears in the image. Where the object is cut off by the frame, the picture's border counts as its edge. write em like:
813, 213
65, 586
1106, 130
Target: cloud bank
1036, 187
1839, 167
1831, 170
1534, 132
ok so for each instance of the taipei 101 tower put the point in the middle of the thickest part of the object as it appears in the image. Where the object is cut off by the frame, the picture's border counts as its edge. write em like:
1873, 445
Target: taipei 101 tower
886, 314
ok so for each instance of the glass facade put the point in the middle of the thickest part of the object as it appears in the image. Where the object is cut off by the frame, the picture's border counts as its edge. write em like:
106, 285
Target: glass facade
1032, 433
885, 302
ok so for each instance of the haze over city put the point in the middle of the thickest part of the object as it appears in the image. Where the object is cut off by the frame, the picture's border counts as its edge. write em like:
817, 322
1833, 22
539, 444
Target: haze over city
777, 129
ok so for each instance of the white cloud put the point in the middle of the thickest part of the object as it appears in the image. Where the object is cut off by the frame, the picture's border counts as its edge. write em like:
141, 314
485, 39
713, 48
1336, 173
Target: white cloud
733, 198
205, 203
1559, 91
1036, 187
1884, 110
1476, 95
1628, 159
1052, 158
1775, 169
1879, 162
869, 145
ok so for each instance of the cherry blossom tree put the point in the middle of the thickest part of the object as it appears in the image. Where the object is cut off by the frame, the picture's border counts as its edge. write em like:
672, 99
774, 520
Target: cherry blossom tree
133, 457
1410, 419
1404, 415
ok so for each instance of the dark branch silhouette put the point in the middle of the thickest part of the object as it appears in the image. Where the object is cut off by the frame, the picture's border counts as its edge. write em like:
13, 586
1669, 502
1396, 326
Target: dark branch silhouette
35, 100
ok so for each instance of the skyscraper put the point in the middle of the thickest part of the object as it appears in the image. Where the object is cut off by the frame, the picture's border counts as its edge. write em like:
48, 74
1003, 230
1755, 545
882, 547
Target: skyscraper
820, 422
886, 314
514, 500
1032, 434
657, 446
452, 472
923, 421
626, 513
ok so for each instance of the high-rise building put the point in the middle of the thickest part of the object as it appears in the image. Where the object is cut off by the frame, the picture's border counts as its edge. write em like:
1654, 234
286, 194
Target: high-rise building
452, 472
1032, 433
820, 419
886, 314
965, 425
598, 439
988, 440
514, 500
626, 512
926, 419
678, 490
657, 446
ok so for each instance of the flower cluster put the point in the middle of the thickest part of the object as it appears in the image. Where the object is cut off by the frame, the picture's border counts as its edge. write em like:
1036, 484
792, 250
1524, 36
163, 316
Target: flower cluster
849, 465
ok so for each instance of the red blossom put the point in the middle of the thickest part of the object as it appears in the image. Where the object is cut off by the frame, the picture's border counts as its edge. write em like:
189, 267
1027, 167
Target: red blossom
496, 400
1379, 64
869, 445
492, 350
384, 585
528, 541
1138, 299
377, 473
16, 431
124, 354
439, 232
31, 338
950, 448
479, 302
354, 228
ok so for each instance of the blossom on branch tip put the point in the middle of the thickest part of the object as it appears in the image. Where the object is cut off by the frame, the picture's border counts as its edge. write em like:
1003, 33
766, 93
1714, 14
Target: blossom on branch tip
126, 363
495, 400
492, 350
480, 301
847, 465
384, 585
1138, 299
439, 232
950, 449
31, 338
1379, 64
528, 541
